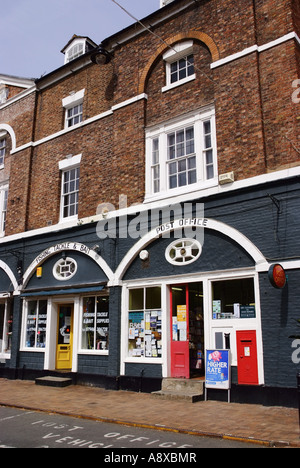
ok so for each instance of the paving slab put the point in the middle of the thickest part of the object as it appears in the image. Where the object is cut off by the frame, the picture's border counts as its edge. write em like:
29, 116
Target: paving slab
273, 426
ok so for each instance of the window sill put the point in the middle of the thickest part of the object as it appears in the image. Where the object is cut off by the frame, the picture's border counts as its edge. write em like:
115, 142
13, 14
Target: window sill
196, 188
143, 360
96, 352
32, 350
70, 219
178, 83
4, 356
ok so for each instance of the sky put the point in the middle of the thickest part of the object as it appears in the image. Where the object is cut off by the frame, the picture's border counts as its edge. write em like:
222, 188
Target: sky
33, 32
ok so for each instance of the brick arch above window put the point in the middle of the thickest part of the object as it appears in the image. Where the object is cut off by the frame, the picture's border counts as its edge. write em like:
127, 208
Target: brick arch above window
196, 35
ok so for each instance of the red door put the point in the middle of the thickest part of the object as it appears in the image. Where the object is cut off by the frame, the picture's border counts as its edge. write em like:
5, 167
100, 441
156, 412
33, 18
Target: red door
247, 357
180, 354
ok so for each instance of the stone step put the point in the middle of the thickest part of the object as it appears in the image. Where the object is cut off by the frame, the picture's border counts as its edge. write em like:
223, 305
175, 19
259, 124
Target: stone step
181, 385
168, 395
181, 389
50, 381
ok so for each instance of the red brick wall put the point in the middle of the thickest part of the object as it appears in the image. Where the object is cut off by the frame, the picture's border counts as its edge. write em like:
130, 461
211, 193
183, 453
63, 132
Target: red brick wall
257, 122
97, 82
20, 116
164, 106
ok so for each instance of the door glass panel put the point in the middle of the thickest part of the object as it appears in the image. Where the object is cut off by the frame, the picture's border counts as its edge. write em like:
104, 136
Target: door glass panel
64, 326
179, 313
196, 329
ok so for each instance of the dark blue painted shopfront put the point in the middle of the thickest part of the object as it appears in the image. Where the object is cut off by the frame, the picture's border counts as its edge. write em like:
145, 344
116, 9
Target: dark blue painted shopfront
94, 271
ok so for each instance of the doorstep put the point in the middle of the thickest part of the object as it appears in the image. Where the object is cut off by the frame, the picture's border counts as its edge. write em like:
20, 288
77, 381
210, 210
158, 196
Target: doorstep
50, 381
191, 390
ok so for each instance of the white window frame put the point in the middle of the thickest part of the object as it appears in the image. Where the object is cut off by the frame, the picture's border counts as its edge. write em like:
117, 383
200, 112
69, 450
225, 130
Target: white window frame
76, 114
63, 195
70, 102
69, 56
3, 144
211, 326
161, 133
23, 346
66, 165
65, 272
81, 350
5, 354
3, 208
126, 358
176, 53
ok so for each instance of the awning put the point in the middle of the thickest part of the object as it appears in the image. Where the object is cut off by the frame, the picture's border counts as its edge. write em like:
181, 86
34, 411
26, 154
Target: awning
60, 292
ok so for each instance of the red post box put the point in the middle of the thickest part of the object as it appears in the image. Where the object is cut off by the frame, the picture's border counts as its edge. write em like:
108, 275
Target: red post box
247, 357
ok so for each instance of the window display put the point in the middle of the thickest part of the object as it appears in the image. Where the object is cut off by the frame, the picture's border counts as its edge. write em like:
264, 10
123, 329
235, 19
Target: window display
233, 299
36, 324
95, 323
145, 316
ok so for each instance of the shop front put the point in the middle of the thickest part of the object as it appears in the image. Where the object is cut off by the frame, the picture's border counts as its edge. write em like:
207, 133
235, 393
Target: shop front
63, 328
180, 299
65, 309
7, 284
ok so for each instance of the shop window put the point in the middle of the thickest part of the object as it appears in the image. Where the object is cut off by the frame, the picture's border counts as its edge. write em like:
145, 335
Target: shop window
233, 299
95, 324
36, 324
5, 329
144, 324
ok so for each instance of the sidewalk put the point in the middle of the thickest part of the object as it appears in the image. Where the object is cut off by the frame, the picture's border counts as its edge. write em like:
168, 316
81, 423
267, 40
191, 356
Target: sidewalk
265, 425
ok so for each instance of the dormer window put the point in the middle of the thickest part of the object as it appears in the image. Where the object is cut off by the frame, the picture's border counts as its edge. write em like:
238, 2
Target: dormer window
77, 46
75, 51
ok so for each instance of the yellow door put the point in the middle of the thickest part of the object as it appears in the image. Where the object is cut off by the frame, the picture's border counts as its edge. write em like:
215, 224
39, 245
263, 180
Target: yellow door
65, 337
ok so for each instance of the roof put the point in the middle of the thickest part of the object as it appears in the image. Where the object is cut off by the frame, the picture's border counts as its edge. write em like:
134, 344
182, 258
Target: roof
16, 81
74, 37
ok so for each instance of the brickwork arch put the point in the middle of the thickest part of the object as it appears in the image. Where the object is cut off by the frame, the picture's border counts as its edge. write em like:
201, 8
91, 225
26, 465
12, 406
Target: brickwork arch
196, 35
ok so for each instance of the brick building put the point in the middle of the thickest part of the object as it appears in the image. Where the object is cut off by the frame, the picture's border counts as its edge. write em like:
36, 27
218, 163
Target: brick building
147, 188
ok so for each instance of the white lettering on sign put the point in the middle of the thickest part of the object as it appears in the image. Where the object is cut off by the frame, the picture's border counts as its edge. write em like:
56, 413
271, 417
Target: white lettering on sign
74, 436
63, 246
183, 223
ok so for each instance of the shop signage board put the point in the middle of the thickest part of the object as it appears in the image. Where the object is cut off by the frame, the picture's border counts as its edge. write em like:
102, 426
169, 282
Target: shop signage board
217, 370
